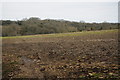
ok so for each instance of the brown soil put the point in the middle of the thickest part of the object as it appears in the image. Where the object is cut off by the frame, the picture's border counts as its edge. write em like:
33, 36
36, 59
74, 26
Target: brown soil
89, 56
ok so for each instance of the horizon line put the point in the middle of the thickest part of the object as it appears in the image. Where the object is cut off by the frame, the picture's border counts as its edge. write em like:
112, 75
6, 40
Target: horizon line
27, 18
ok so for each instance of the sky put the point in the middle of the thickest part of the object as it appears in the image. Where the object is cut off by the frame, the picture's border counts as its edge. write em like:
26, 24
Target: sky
72, 10
59, 0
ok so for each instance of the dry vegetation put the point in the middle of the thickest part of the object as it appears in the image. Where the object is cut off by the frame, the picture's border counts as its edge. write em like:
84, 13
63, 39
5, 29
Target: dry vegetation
76, 55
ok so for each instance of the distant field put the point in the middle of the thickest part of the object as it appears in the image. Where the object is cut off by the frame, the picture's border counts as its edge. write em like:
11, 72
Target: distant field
87, 54
65, 34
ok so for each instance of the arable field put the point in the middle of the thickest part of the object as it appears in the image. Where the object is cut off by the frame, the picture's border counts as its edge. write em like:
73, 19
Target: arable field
92, 54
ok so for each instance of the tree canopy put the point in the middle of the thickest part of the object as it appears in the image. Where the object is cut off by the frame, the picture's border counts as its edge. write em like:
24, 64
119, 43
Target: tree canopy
35, 25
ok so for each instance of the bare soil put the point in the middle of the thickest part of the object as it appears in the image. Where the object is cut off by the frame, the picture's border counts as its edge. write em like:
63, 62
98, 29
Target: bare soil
85, 56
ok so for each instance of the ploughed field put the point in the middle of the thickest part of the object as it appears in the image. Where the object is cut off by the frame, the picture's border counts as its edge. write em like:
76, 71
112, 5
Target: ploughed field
92, 54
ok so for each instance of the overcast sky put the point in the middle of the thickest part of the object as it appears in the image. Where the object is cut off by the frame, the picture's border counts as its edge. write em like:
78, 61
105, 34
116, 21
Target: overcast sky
59, 0
93, 11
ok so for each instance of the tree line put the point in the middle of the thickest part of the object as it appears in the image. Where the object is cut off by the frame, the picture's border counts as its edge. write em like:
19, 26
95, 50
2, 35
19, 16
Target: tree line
35, 25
